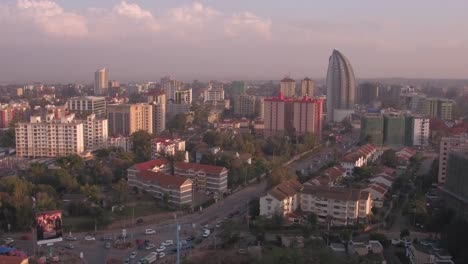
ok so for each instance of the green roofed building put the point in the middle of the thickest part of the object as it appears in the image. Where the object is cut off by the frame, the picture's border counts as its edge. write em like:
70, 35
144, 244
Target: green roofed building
372, 129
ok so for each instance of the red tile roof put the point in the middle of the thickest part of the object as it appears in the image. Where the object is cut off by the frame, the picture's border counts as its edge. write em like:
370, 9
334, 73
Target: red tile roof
378, 188
351, 157
148, 165
337, 193
286, 189
11, 259
162, 179
199, 167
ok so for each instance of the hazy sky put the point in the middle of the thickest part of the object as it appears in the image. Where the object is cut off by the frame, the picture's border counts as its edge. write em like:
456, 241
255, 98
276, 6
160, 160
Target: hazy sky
67, 40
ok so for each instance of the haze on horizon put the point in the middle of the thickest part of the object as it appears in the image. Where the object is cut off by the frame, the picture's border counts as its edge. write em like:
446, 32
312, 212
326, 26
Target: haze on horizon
66, 41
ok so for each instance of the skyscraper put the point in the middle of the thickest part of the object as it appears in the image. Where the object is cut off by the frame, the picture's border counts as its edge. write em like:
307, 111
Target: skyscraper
288, 87
341, 87
101, 82
307, 87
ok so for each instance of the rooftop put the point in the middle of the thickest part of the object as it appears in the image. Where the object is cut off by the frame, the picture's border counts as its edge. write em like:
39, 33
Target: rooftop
343, 194
162, 179
286, 189
199, 167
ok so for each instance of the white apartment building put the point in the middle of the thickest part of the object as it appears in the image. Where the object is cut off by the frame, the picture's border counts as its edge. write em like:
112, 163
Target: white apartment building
281, 199
121, 142
420, 131
183, 96
50, 137
213, 94
447, 145
95, 132
337, 206
167, 146
87, 105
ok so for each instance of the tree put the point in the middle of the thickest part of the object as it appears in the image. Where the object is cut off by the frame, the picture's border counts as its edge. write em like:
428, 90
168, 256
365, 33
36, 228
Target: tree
72, 163
404, 233
177, 123
45, 202
122, 189
92, 192
389, 158
141, 145
384, 241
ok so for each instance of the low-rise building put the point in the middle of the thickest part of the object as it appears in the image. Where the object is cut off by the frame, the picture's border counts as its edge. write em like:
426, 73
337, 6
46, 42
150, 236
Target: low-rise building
125, 143
205, 177
166, 146
337, 206
359, 158
281, 199
383, 179
378, 192
330, 177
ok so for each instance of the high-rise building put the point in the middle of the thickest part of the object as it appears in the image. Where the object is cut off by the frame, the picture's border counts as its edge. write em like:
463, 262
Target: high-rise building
12, 112
366, 93
95, 132
248, 105
372, 129
456, 184
170, 86
278, 116
50, 137
441, 108
213, 94
417, 131
159, 113
183, 96
124, 119
101, 82
288, 87
341, 88
394, 129
88, 105
238, 87
447, 145
307, 116
307, 87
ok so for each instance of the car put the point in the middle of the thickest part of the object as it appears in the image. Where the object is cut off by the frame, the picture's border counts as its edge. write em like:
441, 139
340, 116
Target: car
71, 238
127, 261
150, 231
107, 245
89, 238
161, 255
206, 233
133, 255
206, 227
149, 246
167, 243
242, 251
8, 240
70, 246
161, 249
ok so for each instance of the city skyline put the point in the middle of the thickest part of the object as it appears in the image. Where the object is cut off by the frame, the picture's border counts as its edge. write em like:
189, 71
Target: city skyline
66, 41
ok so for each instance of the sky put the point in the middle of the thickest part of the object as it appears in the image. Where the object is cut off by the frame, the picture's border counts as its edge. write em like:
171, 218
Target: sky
143, 40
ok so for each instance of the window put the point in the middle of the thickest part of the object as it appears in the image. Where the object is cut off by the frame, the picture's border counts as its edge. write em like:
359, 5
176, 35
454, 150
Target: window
269, 208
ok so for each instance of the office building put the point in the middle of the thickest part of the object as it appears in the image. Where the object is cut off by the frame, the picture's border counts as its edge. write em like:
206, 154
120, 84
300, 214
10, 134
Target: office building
173, 109
335, 205
101, 82
418, 130
341, 88
440, 108
170, 86
288, 87
447, 145
86, 105
238, 87
49, 137
213, 94
372, 129
367, 93
157, 100
248, 105
125, 119
183, 96
95, 132
307, 87
307, 116
394, 129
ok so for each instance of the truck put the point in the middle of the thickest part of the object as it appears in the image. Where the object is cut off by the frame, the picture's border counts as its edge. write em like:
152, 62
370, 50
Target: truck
151, 258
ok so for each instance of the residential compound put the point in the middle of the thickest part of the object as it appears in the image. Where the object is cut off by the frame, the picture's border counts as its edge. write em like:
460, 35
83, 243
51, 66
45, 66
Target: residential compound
282, 199
203, 177
50, 137
359, 158
285, 116
153, 177
12, 111
166, 146
124, 119
447, 145
86, 105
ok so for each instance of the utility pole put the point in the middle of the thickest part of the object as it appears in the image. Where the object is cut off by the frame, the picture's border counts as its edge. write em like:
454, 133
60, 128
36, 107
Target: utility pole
177, 239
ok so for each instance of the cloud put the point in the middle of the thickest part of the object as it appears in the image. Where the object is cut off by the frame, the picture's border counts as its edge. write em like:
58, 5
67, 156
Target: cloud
51, 18
134, 11
246, 21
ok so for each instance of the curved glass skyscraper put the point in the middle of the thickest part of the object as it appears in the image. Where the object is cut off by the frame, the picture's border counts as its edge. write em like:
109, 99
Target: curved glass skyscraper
341, 87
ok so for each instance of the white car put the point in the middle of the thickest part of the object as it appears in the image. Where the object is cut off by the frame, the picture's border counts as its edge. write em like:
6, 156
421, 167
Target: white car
150, 231
167, 243
161, 249
161, 255
133, 255
8, 240
206, 233
149, 246
89, 238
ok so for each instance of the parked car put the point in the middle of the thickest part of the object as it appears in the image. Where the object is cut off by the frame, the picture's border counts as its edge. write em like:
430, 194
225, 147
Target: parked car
107, 245
89, 238
133, 255
149, 246
150, 231
190, 238
167, 243
206, 233
161, 249
71, 238
8, 241
70, 246
161, 255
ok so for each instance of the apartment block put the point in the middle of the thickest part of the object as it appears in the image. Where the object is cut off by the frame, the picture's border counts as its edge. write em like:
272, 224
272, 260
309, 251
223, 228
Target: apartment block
125, 119
120, 142
86, 105
282, 199
13, 111
447, 145
441, 108
278, 116
418, 131
213, 94
168, 146
394, 129
288, 87
204, 177
248, 105
95, 132
307, 87
49, 137
307, 116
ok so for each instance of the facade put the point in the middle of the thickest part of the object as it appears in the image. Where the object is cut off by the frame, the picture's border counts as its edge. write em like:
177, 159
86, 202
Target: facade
158, 104
288, 87
394, 129
358, 158
341, 87
278, 116
183, 96
50, 137
11, 112
457, 180
307, 116
248, 105
170, 86
173, 109
120, 142
367, 93
101, 82
441, 108
124, 119
418, 131
329, 177
447, 145
378, 192
204, 177
372, 129
282, 199
338, 206
213, 94
166, 146
173, 189
307, 87
95, 132
88, 105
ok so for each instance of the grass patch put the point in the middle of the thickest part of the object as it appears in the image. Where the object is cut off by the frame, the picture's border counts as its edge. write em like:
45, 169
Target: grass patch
140, 209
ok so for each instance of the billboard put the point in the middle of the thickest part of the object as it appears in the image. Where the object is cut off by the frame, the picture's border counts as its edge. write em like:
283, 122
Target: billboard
48, 227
